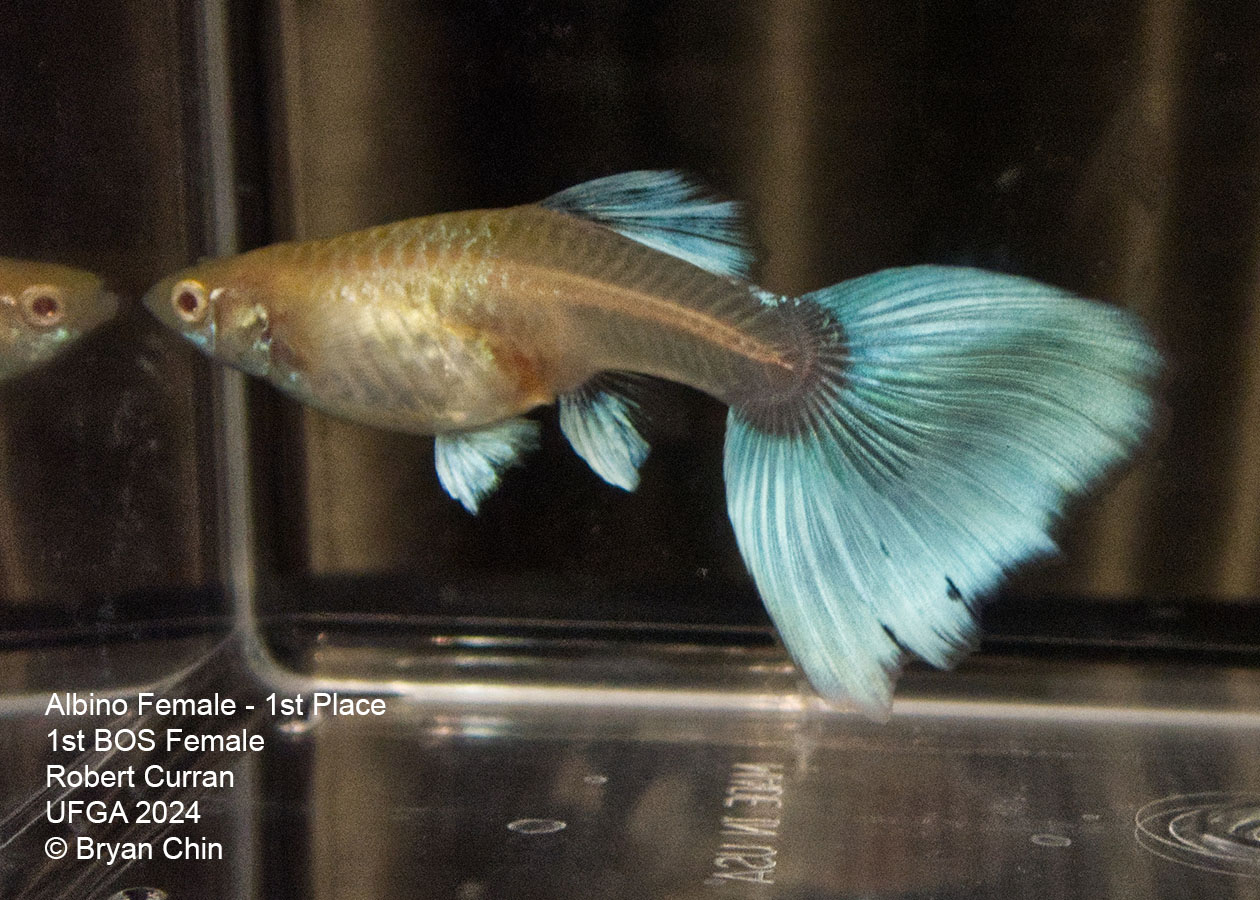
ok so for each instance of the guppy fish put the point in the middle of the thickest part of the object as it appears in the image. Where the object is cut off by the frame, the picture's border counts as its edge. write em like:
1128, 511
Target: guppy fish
44, 308
894, 444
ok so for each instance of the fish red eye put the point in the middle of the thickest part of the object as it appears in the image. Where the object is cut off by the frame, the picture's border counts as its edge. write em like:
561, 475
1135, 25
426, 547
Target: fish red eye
45, 307
188, 297
42, 305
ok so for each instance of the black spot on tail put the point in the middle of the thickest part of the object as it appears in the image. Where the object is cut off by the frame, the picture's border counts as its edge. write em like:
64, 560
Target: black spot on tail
951, 590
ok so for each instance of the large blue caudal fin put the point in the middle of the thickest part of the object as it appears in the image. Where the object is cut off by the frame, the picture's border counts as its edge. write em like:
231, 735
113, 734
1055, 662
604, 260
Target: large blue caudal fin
955, 412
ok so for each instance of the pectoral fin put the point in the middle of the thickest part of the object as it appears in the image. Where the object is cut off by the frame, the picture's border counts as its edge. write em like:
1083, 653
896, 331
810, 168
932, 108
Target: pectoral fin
469, 463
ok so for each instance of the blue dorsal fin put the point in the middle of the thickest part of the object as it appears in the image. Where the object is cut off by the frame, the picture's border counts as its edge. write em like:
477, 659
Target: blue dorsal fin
469, 463
600, 421
666, 211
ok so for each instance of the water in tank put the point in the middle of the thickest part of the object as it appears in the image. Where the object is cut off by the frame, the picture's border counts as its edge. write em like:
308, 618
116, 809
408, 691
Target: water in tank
937, 583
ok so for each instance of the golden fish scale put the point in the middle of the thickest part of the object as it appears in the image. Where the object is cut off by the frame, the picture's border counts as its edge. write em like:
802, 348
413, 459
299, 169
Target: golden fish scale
462, 319
382, 326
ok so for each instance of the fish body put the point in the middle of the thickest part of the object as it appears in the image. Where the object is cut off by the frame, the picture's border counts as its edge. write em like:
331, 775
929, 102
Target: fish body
895, 443
455, 321
45, 307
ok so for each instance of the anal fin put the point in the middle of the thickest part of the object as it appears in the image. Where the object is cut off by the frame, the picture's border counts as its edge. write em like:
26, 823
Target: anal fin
469, 463
600, 419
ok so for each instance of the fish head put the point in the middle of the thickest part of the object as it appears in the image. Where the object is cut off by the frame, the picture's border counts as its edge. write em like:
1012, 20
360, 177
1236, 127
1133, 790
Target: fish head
44, 308
220, 310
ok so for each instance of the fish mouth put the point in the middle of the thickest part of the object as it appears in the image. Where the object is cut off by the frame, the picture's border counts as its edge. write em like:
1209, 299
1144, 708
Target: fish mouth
157, 300
101, 309
108, 304
153, 297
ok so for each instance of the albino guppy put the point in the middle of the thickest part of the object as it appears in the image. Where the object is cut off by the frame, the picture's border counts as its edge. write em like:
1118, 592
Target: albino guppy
895, 443
45, 307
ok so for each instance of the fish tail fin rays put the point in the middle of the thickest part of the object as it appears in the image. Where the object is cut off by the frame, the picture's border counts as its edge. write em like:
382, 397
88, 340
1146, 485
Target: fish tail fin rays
470, 463
954, 413
601, 421
666, 211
